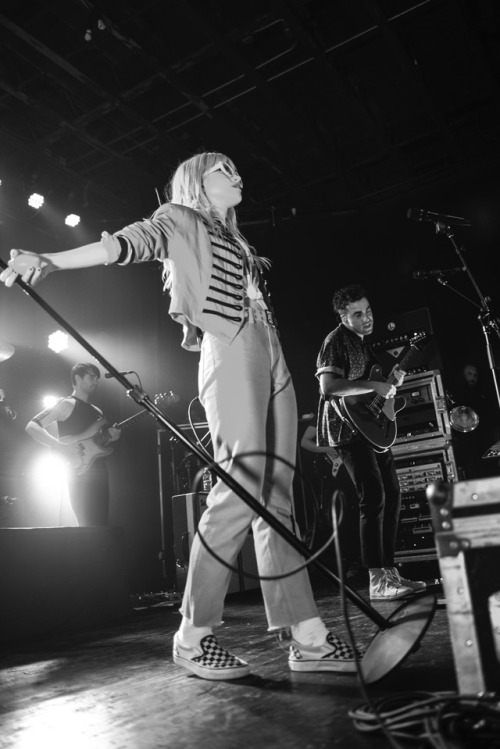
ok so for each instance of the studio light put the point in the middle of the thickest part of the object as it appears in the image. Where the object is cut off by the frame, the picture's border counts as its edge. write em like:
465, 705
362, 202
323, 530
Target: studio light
35, 200
49, 400
58, 341
72, 220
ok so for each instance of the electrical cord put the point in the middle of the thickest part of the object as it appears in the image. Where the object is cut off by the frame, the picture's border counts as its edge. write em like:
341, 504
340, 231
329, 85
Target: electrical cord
310, 530
378, 718
195, 435
198, 441
442, 720
250, 575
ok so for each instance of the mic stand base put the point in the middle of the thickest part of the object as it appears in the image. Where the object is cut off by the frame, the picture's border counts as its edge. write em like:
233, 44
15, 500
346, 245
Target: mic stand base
391, 646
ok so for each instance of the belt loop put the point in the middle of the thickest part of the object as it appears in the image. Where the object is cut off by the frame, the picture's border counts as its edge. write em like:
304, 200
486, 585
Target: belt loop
260, 315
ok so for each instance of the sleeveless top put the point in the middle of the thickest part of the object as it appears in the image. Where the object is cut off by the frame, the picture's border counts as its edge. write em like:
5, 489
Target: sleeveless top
83, 415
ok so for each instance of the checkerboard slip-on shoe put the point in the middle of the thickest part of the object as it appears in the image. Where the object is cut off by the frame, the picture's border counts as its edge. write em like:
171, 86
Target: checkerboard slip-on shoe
416, 585
333, 655
208, 660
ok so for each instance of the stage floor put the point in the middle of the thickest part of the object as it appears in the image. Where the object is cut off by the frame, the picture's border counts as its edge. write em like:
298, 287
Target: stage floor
117, 687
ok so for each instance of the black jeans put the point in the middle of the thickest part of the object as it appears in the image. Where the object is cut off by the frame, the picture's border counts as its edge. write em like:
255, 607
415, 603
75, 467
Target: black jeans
374, 476
89, 495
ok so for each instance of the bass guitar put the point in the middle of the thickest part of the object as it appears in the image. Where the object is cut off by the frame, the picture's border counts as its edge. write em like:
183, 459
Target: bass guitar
372, 415
94, 442
335, 462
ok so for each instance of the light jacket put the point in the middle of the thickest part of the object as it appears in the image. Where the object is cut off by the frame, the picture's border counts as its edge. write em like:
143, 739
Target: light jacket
208, 288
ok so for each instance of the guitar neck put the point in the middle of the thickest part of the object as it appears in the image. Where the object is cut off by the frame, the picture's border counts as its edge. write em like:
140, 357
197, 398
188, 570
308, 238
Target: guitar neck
163, 400
405, 359
131, 419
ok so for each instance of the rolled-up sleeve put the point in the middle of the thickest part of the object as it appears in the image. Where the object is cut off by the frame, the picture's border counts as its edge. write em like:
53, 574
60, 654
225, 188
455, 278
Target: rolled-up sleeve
112, 246
330, 358
144, 240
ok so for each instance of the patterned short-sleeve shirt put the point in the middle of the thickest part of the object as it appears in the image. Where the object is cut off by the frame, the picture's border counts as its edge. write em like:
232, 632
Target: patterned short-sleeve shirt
343, 354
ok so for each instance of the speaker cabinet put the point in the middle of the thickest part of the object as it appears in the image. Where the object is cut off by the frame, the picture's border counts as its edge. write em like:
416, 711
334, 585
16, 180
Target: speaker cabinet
187, 510
60, 580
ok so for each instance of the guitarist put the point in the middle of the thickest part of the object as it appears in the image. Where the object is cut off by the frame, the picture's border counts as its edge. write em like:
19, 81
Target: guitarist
72, 416
342, 368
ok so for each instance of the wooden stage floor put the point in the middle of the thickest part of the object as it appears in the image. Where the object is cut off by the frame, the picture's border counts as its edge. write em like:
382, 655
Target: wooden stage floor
116, 687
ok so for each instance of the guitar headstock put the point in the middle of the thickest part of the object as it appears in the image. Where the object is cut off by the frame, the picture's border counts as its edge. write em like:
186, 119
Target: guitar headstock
417, 340
164, 400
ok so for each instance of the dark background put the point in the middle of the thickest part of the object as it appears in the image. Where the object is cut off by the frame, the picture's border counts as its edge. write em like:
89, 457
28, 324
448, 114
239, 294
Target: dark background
340, 117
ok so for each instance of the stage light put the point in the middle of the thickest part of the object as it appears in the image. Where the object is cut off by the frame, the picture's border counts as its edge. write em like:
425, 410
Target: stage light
72, 220
35, 200
50, 471
58, 341
50, 400
48, 475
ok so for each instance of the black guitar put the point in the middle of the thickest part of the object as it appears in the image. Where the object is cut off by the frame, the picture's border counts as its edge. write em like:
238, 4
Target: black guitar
374, 416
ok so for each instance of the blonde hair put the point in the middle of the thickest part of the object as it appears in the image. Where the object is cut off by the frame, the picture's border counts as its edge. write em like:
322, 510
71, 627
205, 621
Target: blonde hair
186, 188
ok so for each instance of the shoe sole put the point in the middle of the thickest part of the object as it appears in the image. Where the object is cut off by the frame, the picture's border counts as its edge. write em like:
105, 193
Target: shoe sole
341, 667
392, 598
416, 589
213, 674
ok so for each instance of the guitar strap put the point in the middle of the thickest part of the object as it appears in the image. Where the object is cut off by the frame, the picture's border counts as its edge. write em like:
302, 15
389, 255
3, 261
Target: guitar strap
373, 355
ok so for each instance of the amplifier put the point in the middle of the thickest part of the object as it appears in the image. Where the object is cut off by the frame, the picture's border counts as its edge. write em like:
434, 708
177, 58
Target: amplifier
180, 466
466, 519
416, 471
391, 334
425, 414
187, 510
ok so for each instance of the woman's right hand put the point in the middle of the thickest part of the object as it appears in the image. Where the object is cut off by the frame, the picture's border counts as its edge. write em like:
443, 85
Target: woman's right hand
29, 266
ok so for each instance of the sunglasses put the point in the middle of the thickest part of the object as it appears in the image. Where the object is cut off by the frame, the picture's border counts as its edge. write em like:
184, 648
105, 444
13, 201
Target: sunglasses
225, 168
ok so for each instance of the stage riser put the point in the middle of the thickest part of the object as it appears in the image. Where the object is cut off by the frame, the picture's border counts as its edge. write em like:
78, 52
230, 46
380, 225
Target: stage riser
60, 580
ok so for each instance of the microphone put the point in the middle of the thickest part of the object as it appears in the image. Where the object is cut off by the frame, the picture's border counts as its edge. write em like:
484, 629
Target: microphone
108, 374
420, 275
420, 214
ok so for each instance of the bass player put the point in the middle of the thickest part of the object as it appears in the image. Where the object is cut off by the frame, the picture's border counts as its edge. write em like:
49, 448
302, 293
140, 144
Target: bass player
342, 368
73, 417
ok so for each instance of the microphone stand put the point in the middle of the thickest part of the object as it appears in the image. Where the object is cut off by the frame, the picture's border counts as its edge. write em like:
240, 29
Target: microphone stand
398, 635
486, 316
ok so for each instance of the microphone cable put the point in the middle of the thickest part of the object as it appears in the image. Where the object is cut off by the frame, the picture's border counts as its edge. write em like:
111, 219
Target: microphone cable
251, 575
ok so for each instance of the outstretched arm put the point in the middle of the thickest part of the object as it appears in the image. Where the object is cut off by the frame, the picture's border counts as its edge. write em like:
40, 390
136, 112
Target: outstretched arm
32, 267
